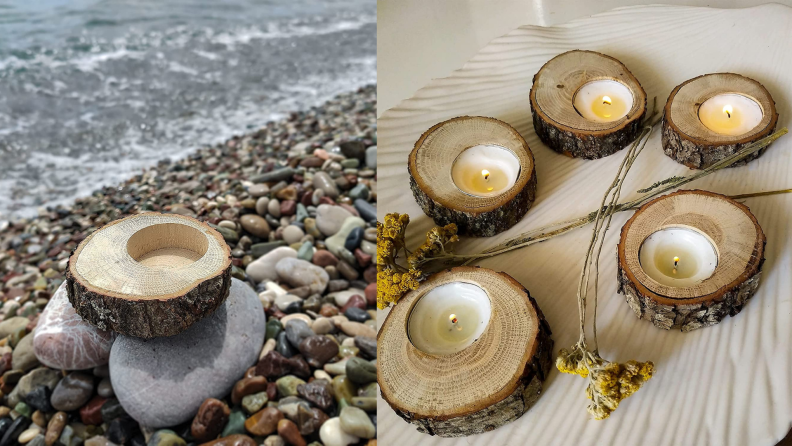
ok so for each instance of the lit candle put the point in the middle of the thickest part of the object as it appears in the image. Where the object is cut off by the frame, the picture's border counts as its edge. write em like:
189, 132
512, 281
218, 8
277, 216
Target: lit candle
485, 170
730, 114
449, 318
678, 257
603, 101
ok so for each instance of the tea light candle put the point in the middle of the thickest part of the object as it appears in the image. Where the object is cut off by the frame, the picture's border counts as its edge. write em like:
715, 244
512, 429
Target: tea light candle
688, 259
730, 114
485, 170
603, 100
449, 318
473, 171
710, 117
678, 257
468, 344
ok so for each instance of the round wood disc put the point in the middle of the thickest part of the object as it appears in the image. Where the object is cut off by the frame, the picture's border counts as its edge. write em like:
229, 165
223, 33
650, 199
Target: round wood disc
430, 165
490, 383
690, 142
149, 274
739, 243
557, 122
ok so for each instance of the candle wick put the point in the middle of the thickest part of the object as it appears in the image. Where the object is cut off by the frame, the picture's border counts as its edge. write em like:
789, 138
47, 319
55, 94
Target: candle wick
728, 114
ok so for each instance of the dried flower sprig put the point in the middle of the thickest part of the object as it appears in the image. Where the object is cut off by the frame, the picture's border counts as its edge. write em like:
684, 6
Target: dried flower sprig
394, 280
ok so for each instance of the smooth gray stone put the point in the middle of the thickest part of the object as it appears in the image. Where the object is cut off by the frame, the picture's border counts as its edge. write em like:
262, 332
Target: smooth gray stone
366, 209
163, 381
274, 176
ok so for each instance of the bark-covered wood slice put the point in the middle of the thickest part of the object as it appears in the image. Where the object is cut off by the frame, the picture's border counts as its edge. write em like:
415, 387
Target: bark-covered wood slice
149, 275
490, 383
739, 243
559, 125
430, 164
688, 141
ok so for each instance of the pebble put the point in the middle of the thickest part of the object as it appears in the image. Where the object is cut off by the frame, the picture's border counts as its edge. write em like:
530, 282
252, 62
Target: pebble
318, 393
264, 422
274, 440
323, 181
105, 388
322, 325
357, 315
366, 210
293, 234
165, 437
254, 402
29, 434
274, 176
358, 329
261, 205
255, 225
342, 297
283, 302
289, 432
264, 268
235, 425
273, 208
287, 385
91, 413
72, 392
318, 350
331, 434
336, 242
329, 218
301, 273
232, 440
357, 422
367, 345
360, 371
210, 420
63, 340
24, 357
297, 330
163, 381
55, 427
306, 251
258, 190
371, 157
293, 316
354, 238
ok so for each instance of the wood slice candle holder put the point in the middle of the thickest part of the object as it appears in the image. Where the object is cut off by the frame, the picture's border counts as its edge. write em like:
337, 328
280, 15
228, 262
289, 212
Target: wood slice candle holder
433, 157
490, 383
149, 275
734, 233
561, 126
688, 141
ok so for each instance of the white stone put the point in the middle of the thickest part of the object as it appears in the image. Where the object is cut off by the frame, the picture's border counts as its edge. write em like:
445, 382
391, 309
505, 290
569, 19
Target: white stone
292, 234
263, 268
329, 218
341, 297
332, 435
336, 242
299, 273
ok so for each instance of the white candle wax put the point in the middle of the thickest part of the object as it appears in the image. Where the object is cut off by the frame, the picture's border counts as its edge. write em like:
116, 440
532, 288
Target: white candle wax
485, 170
730, 114
603, 100
449, 318
678, 257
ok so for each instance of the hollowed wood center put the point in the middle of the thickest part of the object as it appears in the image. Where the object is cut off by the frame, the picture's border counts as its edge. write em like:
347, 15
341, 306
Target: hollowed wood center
167, 246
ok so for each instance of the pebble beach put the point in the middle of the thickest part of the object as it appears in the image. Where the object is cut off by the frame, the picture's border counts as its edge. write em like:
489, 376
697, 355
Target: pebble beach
288, 359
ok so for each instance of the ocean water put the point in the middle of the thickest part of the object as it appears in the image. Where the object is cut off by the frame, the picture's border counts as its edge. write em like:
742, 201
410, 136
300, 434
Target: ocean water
91, 92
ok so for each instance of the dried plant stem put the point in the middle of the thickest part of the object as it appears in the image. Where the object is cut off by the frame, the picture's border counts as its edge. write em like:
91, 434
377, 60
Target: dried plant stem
552, 230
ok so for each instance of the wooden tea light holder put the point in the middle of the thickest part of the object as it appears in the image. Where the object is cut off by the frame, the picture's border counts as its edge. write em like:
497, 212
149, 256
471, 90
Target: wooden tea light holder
586, 104
465, 353
149, 275
688, 259
475, 172
710, 117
